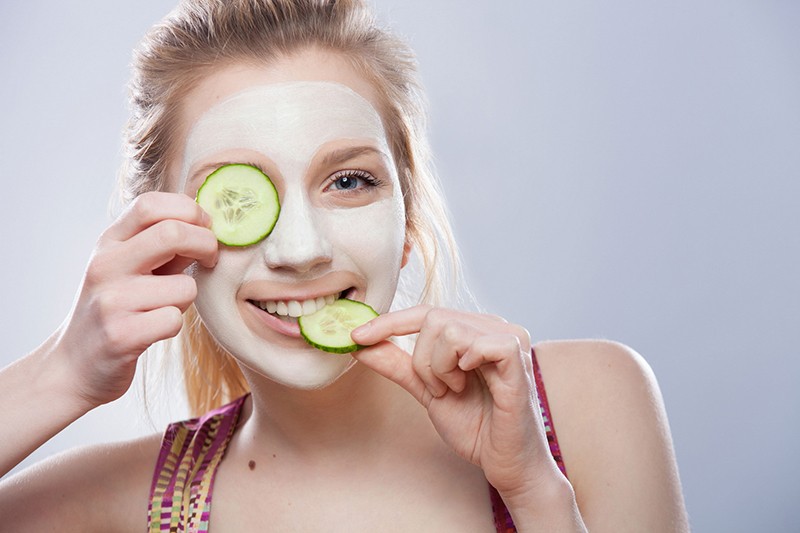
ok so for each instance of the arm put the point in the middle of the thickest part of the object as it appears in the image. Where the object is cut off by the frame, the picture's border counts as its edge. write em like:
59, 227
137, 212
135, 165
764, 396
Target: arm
614, 436
132, 295
98, 488
35, 404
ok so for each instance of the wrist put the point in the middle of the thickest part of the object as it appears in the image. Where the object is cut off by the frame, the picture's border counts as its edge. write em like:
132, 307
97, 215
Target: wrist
54, 378
548, 506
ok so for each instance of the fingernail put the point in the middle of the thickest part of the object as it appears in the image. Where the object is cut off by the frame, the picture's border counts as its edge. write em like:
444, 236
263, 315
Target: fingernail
361, 330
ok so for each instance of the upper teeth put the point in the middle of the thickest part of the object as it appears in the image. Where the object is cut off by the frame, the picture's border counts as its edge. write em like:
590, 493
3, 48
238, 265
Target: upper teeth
295, 308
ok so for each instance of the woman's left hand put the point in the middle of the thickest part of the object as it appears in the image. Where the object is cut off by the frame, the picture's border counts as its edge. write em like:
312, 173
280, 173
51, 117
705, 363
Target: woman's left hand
474, 375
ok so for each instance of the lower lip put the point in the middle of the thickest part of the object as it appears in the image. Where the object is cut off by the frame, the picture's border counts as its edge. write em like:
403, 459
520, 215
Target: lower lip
289, 329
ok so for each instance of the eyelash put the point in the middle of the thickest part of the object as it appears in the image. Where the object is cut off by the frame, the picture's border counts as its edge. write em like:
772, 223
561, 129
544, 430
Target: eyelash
363, 175
259, 167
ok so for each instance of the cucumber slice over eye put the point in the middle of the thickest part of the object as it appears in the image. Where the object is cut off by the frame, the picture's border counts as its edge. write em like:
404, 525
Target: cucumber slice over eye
243, 204
329, 328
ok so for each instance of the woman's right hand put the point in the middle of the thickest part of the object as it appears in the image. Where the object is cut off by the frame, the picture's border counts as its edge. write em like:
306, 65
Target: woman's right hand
133, 293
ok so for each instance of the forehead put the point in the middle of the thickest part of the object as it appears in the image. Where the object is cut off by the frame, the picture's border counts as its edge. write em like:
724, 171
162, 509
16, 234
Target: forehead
294, 117
311, 65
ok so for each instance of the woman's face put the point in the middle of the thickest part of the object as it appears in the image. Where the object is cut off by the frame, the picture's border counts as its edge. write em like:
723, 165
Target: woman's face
311, 124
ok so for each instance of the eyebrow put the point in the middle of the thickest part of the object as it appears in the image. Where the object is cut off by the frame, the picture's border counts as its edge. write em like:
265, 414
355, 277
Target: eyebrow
345, 154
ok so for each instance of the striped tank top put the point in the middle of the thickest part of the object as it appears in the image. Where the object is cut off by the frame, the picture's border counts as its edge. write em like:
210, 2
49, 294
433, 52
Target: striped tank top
191, 451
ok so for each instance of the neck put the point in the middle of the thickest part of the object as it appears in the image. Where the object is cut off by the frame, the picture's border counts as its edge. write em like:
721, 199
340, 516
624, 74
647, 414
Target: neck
360, 412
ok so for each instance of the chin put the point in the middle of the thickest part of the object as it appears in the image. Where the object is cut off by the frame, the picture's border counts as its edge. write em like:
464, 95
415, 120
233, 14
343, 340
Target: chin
308, 369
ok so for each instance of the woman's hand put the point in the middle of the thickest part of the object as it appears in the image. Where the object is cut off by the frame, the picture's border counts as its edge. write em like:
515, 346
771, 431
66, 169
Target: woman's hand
474, 375
133, 293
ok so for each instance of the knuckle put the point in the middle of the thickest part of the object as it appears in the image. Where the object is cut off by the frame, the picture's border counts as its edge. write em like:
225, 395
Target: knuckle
104, 304
95, 270
452, 332
102, 265
115, 335
436, 317
143, 206
170, 233
523, 335
512, 343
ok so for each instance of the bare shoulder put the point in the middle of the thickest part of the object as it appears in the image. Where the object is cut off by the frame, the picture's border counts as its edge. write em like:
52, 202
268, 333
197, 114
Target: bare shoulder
94, 488
612, 369
614, 435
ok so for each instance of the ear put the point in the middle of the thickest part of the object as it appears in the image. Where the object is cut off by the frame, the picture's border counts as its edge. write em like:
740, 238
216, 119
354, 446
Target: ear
407, 247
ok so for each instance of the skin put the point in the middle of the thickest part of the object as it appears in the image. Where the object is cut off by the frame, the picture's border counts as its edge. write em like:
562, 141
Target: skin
464, 400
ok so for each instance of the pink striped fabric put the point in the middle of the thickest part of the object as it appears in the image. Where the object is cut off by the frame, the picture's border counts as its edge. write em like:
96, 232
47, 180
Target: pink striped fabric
180, 495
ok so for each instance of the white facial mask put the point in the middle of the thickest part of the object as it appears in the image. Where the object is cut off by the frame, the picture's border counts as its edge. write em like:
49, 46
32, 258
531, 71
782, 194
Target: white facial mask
289, 125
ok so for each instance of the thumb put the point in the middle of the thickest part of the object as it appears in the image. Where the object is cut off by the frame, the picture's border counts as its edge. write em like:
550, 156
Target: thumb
393, 363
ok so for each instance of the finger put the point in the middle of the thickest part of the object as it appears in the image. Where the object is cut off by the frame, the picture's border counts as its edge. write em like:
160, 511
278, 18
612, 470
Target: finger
454, 340
444, 336
409, 321
393, 363
404, 322
425, 320
166, 240
421, 363
146, 293
502, 364
138, 331
152, 207
163, 323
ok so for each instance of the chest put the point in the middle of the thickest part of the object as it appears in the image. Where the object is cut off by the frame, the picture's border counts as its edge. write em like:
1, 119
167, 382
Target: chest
393, 498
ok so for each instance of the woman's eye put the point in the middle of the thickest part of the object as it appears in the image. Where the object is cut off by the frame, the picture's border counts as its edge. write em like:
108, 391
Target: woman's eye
352, 181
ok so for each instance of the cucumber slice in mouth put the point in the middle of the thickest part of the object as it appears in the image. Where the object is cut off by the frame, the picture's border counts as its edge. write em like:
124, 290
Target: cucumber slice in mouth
329, 328
243, 204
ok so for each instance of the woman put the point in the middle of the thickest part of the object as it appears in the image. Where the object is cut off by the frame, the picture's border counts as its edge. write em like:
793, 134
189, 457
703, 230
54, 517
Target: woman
450, 432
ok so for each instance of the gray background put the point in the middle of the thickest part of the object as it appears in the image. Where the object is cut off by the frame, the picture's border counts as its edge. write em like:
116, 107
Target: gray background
619, 169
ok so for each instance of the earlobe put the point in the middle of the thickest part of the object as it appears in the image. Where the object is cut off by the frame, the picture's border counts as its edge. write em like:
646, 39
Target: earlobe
406, 253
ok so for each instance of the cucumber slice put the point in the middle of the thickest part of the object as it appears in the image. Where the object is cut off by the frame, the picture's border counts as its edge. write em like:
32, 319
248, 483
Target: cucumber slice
243, 204
329, 328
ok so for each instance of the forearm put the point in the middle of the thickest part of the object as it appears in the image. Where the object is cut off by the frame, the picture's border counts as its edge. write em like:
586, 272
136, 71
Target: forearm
549, 509
36, 403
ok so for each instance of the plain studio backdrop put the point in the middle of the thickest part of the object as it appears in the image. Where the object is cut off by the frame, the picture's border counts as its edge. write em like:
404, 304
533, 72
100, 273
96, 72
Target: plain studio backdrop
622, 170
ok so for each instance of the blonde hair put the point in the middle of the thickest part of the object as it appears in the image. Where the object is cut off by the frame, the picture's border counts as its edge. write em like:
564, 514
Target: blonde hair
199, 37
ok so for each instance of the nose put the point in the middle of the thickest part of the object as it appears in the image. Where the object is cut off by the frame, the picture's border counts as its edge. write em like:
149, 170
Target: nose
297, 241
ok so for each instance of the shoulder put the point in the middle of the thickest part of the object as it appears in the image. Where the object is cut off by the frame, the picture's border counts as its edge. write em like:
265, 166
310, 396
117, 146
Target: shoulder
95, 488
613, 432
601, 394
601, 365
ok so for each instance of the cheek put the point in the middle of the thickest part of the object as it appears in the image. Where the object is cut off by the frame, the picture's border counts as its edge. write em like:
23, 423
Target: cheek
217, 287
372, 237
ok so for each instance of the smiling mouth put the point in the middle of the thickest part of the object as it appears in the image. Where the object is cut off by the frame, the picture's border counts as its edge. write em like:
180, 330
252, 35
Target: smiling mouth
292, 309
